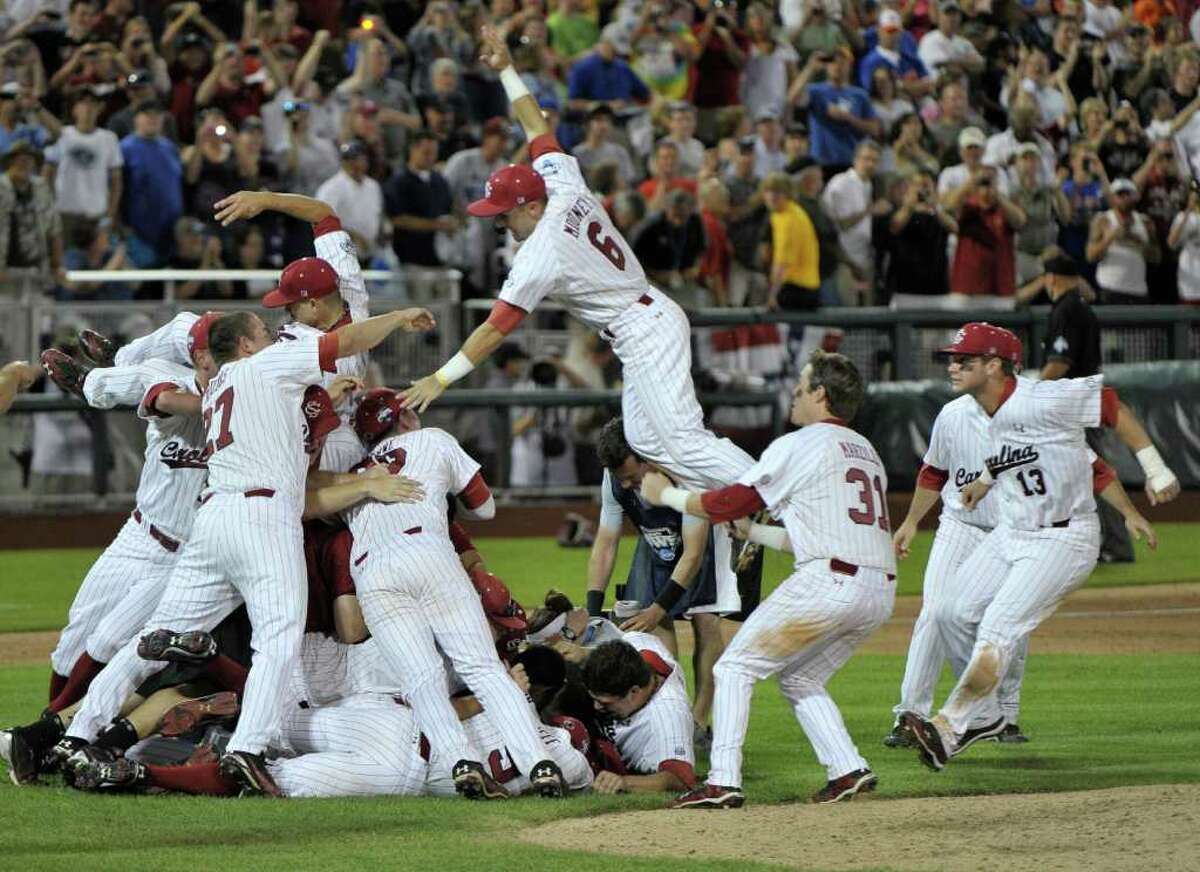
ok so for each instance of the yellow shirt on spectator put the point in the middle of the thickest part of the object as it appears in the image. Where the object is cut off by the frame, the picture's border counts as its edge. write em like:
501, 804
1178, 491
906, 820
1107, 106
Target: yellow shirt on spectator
794, 245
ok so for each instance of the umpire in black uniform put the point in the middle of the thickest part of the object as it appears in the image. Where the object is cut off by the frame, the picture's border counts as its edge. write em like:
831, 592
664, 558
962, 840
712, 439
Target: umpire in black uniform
1072, 350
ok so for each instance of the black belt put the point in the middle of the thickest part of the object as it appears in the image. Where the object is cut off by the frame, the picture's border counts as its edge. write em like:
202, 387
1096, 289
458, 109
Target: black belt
1058, 525
162, 538
843, 568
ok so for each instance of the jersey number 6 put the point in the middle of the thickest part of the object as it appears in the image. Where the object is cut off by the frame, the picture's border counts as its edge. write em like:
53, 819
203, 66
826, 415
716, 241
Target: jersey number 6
606, 246
866, 514
224, 403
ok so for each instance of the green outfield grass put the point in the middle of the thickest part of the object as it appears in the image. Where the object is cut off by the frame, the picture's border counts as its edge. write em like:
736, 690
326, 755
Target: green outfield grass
36, 587
1096, 721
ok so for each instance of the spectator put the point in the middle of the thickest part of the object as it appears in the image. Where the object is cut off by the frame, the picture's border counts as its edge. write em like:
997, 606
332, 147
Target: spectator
914, 239
954, 116
357, 199
769, 156
84, 166
1125, 146
971, 143
467, 173
139, 87
21, 118
228, 88
839, 115
723, 54
509, 364
190, 67
197, 249
543, 452
305, 160
1084, 189
770, 67
947, 54
746, 226
440, 121
1121, 243
664, 51
984, 259
598, 148
795, 279
1045, 207
1164, 185
446, 88
1104, 22
628, 211
279, 27
1185, 79
888, 103
808, 184
669, 243
906, 153
1080, 68
1185, 237
666, 177
249, 251
274, 124
718, 253
604, 77
681, 125
849, 199
824, 33
30, 229
419, 203
906, 68
437, 35
360, 123
211, 168
538, 64
572, 31
1093, 121
1144, 67
153, 188
137, 47
371, 81
1052, 98
90, 246
1022, 127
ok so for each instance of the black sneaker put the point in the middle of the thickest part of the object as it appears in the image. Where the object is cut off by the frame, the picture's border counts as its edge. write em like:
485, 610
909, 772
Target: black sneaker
978, 734
1011, 735
167, 645
249, 771
471, 781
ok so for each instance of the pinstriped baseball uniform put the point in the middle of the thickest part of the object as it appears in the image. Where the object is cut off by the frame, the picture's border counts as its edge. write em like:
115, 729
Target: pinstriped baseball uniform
577, 257
828, 486
169, 342
416, 599
246, 543
957, 447
124, 584
491, 748
1045, 546
659, 735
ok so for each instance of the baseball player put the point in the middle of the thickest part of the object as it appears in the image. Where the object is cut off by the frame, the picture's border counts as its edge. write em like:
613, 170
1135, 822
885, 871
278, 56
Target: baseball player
246, 544
677, 571
828, 486
417, 599
1047, 539
15, 377
571, 252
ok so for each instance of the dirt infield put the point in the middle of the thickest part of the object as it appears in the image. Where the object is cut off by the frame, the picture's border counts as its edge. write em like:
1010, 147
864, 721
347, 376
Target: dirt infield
1097, 830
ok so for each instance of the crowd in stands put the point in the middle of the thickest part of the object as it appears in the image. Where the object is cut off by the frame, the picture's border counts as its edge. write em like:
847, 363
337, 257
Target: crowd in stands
797, 154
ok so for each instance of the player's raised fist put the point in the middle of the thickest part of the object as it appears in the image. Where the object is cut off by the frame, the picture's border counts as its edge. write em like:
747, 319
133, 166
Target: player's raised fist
1162, 490
492, 49
417, 320
241, 206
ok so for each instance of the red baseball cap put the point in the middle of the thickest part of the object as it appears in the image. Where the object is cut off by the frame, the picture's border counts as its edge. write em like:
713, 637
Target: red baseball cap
319, 417
982, 338
507, 188
499, 606
305, 279
198, 333
376, 414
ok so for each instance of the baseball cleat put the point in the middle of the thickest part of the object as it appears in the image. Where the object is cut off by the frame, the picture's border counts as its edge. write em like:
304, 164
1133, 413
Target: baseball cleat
978, 734
928, 740
22, 757
547, 780
6, 747
119, 773
188, 715
1011, 735
472, 782
97, 348
76, 760
250, 772
899, 738
65, 371
194, 647
846, 787
710, 796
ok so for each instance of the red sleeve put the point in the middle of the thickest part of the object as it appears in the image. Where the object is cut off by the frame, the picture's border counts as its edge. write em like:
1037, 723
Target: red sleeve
337, 564
1102, 476
932, 478
476, 493
327, 352
1110, 405
728, 503
544, 144
459, 538
505, 316
681, 769
656, 663
151, 398
328, 224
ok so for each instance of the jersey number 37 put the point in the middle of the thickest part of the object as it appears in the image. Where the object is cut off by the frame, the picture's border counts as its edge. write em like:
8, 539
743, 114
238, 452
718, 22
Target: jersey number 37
224, 408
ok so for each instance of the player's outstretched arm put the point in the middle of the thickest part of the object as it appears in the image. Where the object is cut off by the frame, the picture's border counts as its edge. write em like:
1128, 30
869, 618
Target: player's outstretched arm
726, 504
15, 377
484, 340
364, 335
494, 52
322, 500
923, 500
245, 205
1162, 485
1136, 523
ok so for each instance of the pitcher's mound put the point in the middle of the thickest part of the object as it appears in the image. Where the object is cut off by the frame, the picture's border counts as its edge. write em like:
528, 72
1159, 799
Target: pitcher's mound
1095, 830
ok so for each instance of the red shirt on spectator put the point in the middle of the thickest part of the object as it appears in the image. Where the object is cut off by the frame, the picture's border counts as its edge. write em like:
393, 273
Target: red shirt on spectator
716, 259
721, 81
985, 259
649, 187
239, 103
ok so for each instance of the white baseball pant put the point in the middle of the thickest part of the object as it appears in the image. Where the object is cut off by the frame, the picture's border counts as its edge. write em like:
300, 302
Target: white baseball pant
664, 423
417, 600
1011, 583
366, 745
953, 542
133, 557
243, 549
805, 630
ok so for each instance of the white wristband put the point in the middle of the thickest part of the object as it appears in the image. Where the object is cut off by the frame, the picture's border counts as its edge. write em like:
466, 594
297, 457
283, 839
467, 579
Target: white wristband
676, 498
1158, 474
514, 85
456, 367
768, 535
986, 475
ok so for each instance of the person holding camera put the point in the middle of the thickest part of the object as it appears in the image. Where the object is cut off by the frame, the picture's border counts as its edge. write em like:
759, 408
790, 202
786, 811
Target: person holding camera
227, 87
543, 453
914, 239
985, 258
307, 160
1045, 207
840, 115
1121, 243
724, 50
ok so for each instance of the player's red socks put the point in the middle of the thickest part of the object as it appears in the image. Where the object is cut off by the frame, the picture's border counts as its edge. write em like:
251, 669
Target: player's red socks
202, 778
227, 673
76, 684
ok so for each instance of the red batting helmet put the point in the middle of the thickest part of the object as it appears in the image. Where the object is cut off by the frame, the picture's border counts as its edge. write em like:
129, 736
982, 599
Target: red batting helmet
499, 606
305, 279
507, 188
319, 417
982, 338
376, 414
198, 333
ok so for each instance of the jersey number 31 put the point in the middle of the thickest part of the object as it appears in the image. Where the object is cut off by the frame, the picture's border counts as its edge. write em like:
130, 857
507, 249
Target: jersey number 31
866, 512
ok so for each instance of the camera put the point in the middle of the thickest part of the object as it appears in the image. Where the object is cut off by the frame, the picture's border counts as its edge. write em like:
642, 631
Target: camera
252, 51
221, 130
